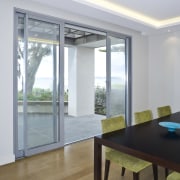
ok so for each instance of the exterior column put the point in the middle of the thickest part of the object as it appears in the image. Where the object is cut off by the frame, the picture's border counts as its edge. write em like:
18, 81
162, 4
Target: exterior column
81, 81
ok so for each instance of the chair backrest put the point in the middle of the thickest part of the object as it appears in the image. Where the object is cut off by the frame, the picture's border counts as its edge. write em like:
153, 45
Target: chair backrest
143, 116
164, 111
112, 124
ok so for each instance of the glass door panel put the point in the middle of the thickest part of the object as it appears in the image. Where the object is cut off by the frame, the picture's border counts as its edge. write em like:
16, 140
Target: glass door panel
42, 83
38, 90
118, 74
20, 82
100, 80
85, 82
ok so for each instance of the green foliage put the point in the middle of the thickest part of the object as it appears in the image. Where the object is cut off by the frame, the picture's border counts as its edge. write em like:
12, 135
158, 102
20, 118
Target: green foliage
37, 95
20, 95
66, 95
100, 100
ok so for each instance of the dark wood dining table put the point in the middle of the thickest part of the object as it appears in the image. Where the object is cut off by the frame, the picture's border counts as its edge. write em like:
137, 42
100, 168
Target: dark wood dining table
148, 141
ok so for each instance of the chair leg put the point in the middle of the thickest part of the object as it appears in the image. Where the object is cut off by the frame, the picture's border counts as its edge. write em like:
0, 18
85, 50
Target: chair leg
123, 171
106, 171
155, 171
135, 176
166, 172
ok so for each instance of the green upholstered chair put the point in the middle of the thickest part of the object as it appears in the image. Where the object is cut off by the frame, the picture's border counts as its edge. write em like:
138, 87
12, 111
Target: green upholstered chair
143, 116
163, 111
124, 160
174, 176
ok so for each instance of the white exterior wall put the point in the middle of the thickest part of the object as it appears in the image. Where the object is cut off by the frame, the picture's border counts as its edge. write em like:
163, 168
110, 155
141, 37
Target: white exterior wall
72, 77
85, 81
6, 68
81, 81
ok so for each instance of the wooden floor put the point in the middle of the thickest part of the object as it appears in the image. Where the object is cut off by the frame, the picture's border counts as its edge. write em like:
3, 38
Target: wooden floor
73, 162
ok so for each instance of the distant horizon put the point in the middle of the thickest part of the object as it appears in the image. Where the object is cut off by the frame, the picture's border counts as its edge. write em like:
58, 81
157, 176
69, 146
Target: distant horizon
46, 82
42, 82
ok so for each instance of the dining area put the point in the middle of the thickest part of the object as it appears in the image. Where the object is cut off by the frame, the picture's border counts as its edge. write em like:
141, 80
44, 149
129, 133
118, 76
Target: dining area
150, 142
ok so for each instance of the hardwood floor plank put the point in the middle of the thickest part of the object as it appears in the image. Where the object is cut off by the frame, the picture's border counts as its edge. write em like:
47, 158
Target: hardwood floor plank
73, 162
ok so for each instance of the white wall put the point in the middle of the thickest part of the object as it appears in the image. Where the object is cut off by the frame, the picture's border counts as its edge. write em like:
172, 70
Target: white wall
164, 73
140, 73
6, 69
6, 81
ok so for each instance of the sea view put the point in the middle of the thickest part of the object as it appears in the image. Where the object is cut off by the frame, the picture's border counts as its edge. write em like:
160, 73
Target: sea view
46, 83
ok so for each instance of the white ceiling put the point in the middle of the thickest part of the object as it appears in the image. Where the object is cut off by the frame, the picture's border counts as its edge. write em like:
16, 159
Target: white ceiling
146, 16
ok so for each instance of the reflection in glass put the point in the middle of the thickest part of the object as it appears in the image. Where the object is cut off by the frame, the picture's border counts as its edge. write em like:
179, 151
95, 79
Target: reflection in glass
20, 81
117, 76
41, 83
38, 80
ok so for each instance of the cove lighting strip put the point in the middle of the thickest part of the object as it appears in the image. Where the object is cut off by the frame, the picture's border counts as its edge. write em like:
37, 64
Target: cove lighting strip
121, 11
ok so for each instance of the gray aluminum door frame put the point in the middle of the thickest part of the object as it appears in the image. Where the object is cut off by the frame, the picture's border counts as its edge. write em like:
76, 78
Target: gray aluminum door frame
60, 142
128, 71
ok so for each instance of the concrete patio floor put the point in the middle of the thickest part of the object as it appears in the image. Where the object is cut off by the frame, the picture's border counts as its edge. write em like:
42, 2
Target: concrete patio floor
41, 128
83, 127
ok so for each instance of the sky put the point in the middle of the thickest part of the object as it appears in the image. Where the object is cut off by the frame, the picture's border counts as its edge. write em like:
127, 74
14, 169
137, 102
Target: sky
45, 71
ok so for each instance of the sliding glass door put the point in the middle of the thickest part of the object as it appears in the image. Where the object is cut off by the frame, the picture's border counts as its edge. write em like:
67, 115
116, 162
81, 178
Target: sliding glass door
66, 77
85, 82
118, 73
38, 97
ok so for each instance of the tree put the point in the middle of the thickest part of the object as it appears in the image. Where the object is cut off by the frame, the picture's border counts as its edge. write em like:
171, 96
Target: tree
36, 52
